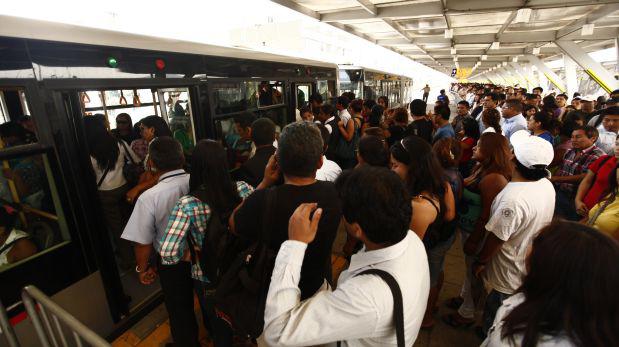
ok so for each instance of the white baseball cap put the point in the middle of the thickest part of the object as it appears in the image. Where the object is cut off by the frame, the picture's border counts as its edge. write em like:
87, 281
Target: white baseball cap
531, 150
588, 98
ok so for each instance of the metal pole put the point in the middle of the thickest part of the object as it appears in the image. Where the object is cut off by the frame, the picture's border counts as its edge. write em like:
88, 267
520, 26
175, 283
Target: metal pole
7, 329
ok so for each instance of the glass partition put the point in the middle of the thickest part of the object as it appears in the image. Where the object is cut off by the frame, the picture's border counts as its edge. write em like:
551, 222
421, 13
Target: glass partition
137, 103
173, 104
303, 93
16, 125
32, 218
270, 93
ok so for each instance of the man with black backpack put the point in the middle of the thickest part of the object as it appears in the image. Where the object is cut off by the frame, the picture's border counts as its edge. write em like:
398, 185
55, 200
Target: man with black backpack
263, 218
386, 284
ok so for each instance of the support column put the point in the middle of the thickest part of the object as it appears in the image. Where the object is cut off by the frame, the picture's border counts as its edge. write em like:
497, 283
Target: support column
546, 72
527, 81
509, 80
521, 78
533, 77
595, 70
617, 50
570, 75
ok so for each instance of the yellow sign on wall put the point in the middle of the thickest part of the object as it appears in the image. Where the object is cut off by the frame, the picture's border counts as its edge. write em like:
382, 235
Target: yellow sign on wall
463, 73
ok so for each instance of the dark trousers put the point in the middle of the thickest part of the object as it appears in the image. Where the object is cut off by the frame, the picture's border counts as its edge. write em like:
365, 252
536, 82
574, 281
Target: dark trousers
177, 286
113, 205
565, 206
425, 97
494, 300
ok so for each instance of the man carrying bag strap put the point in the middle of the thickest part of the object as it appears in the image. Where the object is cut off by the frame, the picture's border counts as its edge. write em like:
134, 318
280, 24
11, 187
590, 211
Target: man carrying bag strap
361, 311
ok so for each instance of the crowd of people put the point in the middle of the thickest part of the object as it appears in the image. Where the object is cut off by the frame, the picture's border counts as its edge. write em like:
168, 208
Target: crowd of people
526, 182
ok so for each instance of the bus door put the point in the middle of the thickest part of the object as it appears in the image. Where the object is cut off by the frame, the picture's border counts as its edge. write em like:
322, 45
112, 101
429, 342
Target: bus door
39, 233
123, 108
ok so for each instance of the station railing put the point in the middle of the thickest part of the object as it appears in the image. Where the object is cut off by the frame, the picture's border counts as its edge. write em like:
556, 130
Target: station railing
6, 330
55, 326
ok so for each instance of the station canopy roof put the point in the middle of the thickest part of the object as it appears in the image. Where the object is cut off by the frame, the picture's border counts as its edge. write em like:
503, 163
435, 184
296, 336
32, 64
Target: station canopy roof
434, 32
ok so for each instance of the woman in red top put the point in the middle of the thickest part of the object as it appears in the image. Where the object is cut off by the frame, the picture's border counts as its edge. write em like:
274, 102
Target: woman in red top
595, 185
470, 127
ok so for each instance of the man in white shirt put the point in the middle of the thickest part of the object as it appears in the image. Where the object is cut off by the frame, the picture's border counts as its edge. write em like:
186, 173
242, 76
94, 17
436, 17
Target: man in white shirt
146, 228
518, 212
330, 170
342, 108
513, 118
608, 130
360, 312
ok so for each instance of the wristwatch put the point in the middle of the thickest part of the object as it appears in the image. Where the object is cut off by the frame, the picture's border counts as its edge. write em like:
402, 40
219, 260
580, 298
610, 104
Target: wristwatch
137, 268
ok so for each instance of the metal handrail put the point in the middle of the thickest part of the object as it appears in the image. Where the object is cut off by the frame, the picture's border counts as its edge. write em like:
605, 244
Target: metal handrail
6, 329
33, 297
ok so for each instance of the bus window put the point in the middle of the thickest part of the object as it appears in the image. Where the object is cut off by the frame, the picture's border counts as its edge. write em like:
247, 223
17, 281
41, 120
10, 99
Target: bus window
230, 97
270, 93
303, 94
179, 117
137, 103
32, 220
16, 125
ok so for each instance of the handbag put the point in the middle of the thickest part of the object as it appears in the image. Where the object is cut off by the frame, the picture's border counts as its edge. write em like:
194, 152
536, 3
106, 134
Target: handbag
131, 170
241, 294
346, 149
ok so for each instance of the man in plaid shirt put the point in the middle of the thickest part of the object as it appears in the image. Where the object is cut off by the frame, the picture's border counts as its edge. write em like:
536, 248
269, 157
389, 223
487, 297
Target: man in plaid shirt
573, 169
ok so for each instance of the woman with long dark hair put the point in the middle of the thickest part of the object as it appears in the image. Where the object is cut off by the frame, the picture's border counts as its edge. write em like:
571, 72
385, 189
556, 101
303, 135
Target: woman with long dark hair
108, 156
470, 127
550, 107
433, 201
489, 177
491, 118
569, 295
213, 194
604, 216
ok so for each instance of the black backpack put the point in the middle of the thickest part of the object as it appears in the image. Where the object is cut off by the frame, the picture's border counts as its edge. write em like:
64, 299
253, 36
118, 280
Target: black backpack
241, 294
219, 247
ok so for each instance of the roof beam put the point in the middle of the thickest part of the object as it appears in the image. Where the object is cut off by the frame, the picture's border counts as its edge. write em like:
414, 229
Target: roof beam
299, 8
426, 9
368, 6
592, 17
353, 31
598, 34
435, 8
508, 5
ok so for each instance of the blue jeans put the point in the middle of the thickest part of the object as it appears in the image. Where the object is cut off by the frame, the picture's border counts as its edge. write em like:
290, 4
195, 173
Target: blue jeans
494, 300
436, 259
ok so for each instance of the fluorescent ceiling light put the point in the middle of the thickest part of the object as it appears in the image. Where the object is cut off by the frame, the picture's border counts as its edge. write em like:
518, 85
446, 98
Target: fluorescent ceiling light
523, 15
449, 33
587, 29
484, 57
456, 58
453, 50
536, 50
504, 63
495, 45
515, 59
